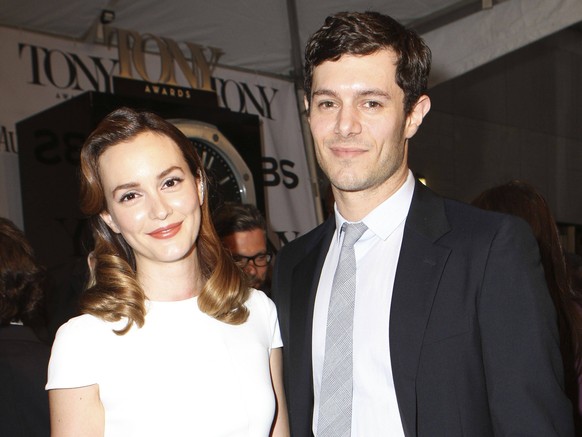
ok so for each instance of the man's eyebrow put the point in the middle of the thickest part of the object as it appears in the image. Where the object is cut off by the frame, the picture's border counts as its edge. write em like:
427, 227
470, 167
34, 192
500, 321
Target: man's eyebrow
374, 92
324, 92
363, 93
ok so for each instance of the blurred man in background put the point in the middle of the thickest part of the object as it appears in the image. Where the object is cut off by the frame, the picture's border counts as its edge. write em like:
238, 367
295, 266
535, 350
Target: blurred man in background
243, 231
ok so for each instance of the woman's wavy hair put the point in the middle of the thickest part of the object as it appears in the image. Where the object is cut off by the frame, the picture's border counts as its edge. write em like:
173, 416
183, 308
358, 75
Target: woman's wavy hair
21, 278
365, 33
523, 200
114, 292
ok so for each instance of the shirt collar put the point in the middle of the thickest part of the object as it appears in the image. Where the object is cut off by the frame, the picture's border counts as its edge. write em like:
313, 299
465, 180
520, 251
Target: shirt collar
386, 217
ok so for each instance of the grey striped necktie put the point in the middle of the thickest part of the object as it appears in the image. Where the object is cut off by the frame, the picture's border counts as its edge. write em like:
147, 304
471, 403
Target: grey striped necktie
335, 400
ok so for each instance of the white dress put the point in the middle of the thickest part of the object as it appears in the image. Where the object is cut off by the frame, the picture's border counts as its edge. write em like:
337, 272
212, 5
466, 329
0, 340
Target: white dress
183, 374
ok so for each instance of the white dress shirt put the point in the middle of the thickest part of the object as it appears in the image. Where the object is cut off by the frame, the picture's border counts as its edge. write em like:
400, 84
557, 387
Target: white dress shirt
374, 408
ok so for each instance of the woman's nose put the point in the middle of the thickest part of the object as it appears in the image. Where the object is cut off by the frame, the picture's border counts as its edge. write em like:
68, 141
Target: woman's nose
160, 209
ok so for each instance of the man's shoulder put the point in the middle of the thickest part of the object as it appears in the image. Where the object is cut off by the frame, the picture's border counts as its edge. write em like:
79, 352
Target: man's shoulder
306, 242
467, 219
459, 218
305, 247
459, 212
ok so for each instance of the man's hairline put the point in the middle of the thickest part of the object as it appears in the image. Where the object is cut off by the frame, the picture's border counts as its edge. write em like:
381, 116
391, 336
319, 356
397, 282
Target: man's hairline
230, 234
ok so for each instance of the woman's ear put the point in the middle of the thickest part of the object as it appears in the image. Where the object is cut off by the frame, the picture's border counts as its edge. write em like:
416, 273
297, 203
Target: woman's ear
109, 221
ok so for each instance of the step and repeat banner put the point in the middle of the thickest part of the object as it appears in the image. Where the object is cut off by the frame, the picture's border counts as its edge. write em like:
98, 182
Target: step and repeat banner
39, 72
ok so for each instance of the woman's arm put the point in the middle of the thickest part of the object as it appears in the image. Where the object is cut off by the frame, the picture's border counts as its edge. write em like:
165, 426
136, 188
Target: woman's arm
281, 424
76, 412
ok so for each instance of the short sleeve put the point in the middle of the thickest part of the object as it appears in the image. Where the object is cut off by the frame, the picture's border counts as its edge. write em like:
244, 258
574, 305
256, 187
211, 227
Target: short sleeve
276, 336
271, 319
74, 358
264, 313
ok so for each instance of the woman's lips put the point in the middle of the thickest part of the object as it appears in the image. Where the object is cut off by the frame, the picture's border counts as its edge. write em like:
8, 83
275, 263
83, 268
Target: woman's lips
166, 232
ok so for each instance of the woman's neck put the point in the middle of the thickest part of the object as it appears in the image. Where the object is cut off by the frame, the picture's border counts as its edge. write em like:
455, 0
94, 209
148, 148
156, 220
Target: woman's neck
173, 281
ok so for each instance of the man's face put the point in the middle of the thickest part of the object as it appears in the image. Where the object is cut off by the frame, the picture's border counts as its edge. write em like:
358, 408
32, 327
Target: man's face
358, 122
249, 244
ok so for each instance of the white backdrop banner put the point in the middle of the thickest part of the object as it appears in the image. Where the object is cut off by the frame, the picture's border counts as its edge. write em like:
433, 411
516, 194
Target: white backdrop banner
39, 71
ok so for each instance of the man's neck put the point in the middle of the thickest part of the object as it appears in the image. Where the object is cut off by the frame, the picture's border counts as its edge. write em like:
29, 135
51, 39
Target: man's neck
355, 205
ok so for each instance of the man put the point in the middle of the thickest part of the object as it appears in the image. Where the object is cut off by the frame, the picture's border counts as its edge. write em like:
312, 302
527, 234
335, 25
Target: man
243, 231
453, 332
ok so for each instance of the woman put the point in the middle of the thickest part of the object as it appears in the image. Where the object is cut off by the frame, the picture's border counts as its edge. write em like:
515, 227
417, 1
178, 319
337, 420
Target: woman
171, 341
23, 356
523, 200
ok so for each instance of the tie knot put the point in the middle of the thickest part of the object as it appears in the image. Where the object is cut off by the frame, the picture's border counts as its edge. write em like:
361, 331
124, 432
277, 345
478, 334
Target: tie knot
353, 232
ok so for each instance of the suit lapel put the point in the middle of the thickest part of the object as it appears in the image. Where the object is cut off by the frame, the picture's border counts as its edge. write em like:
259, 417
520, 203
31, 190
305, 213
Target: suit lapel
420, 266
305, 279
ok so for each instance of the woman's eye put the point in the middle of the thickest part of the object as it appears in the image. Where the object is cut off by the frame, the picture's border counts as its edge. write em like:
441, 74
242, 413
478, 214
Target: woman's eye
172, 182
127, 197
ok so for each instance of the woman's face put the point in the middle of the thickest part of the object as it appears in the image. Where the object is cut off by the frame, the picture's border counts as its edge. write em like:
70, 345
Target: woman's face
153, 199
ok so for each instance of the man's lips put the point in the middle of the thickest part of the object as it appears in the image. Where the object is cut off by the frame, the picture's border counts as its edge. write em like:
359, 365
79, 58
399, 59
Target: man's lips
347, 151
166, 232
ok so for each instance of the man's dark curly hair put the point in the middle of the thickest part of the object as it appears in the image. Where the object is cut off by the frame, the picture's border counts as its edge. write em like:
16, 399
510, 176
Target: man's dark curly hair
21, 278
365, 33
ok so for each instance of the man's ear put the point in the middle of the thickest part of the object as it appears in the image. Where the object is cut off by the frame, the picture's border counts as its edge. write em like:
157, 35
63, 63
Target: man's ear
414, 119
109, 221
306, 104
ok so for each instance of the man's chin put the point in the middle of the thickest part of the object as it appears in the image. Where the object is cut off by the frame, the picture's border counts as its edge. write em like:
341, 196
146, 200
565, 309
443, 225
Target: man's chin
256, 284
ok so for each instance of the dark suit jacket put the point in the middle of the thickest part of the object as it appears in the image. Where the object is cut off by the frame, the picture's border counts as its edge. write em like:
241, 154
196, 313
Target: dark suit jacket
473, 334
24, 410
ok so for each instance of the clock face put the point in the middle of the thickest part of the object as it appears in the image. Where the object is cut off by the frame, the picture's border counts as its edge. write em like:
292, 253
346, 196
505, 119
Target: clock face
229, 178
221, 177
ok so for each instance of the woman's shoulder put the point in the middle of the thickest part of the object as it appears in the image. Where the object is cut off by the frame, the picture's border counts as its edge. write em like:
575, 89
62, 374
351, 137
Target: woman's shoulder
82, 321
263, 315
76, 352
86, 326
260, 306
258, 297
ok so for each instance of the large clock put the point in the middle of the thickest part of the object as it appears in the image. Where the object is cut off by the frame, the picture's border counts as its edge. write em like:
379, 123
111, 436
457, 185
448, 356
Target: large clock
229, 176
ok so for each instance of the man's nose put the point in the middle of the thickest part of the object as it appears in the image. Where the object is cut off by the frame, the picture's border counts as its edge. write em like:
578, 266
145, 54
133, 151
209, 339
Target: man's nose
250, 268
348, 122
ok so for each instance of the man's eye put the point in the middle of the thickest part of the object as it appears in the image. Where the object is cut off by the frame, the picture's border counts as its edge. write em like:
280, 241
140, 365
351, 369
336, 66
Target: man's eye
326, 104
373, 104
